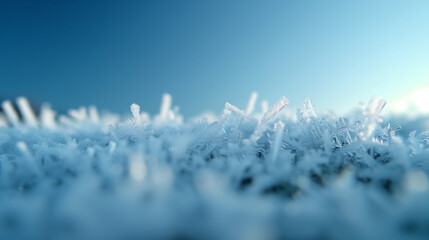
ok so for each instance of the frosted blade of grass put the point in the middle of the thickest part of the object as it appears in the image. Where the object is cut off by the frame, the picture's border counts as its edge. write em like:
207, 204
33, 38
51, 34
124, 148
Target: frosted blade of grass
93, 114
78, 114
11, 114
279, 127
251, 103
275, 109
26, 111
310, 109
47, 116
135, 111
165, 106
374, 108
380, 105
232, 108
368, 110
68, 122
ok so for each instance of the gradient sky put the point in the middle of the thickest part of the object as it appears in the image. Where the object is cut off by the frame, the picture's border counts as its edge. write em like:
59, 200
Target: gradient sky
114, 53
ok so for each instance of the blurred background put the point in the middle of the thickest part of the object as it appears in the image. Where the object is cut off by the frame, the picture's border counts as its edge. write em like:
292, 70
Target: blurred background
114, 53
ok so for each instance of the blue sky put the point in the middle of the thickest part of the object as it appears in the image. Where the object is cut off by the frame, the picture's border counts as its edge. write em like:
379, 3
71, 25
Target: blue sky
114, 53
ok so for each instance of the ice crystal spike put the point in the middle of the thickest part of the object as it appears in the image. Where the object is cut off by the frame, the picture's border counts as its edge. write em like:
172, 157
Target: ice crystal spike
93, 114
300, 116
275, 109
374, 109
342, 133
309, 108
251, 103
69, 123
135, 110
245, 124
78, 114
389, 133
413, 143
10, 112
380, 105
26, 112
232, 108
165, 106
279, 127
47, 116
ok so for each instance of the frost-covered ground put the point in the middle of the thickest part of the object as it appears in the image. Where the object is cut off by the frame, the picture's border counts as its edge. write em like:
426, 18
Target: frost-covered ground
241, 175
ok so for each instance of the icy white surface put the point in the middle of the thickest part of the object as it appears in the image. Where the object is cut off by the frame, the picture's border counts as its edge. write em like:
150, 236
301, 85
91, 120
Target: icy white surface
269, 175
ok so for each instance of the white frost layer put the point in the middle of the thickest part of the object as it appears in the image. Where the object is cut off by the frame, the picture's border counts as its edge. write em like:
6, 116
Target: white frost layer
267, 175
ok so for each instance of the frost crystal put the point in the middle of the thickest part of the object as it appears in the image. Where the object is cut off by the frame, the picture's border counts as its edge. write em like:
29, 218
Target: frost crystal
26, 112
275, 109
251, 104
135, 110
10, 112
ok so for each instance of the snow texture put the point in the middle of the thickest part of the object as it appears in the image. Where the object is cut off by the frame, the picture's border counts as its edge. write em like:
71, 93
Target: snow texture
248, 174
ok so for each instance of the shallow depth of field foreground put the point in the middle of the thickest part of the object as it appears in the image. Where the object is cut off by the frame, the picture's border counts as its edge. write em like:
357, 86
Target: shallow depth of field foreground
258, 173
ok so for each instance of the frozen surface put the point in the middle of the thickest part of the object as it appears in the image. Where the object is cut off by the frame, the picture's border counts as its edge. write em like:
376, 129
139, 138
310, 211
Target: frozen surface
249, 174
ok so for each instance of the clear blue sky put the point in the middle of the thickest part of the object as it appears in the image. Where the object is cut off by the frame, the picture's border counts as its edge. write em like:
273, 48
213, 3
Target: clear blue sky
114, 53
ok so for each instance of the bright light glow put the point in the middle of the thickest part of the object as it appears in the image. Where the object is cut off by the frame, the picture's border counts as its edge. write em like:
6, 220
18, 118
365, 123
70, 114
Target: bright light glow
421, 99
415, 103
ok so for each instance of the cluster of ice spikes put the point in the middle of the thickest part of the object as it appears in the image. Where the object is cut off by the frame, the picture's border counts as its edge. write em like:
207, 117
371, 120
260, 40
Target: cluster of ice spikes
241, 175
